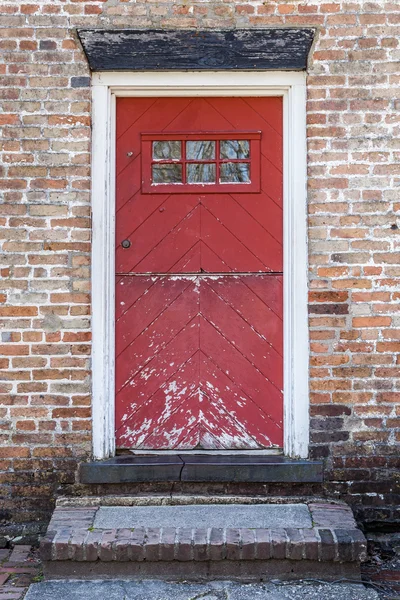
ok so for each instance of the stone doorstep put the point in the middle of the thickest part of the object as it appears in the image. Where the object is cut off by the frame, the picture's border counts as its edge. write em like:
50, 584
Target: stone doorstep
177, 499
71, 541
181, 467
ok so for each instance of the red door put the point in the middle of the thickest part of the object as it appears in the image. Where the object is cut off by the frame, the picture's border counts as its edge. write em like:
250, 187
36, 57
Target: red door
199, 335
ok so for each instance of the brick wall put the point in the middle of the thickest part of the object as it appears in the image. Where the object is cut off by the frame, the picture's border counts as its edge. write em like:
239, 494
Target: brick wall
354, 177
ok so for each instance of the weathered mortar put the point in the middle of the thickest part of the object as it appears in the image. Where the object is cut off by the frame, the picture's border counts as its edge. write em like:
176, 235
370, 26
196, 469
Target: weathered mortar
354, 168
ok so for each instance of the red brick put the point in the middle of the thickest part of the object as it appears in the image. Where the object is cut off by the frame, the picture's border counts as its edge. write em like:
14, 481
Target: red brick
371, 321
353, 251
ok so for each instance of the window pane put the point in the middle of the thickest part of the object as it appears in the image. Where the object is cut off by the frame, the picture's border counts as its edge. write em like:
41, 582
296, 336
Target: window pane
200, 173
235, 173
166, 150
199, 150
167, 173
235, 148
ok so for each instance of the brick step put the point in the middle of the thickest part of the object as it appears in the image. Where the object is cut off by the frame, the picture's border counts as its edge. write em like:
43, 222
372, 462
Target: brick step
202, 542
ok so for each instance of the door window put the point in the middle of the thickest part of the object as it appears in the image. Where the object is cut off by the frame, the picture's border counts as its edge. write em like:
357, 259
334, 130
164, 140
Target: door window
208, 162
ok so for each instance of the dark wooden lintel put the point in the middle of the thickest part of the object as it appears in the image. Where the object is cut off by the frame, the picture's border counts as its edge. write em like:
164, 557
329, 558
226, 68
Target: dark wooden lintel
168, 50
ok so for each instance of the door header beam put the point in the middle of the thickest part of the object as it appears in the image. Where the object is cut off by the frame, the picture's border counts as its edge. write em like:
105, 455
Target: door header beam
170, 50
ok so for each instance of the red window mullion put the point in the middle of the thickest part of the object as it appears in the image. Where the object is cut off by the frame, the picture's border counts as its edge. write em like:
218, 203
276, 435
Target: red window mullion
218, 160
250, 160
203, 161
184, 162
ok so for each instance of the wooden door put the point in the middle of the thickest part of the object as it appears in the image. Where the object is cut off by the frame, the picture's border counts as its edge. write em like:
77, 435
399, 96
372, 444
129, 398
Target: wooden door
199, 323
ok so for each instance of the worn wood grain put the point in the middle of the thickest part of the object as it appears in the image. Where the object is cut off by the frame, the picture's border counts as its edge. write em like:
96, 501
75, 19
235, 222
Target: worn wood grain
152, 49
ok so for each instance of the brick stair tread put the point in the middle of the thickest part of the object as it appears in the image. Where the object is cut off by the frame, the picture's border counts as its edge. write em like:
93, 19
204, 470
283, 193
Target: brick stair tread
333, 537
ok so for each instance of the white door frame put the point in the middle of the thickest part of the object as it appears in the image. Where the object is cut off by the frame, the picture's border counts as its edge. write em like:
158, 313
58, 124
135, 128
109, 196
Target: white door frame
292, 87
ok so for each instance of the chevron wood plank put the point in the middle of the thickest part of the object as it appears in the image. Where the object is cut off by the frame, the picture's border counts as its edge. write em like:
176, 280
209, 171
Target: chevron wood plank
200, 437
141, 420
268, 213
147, 308
271, 294
199, 409
128, 182
242, 372
200, 115
127, 291
155, 117
226, 246
272, 112
210, 262
171, 320
128, 113
258, 314
241, 111
271, 181
154, 230
133, 213
189, 262
164, 377
247, 230
229, 398
245, 338
173, 247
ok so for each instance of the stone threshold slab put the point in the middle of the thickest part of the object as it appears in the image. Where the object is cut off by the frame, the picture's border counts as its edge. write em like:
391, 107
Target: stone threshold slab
179, 499
193, 467
259, 516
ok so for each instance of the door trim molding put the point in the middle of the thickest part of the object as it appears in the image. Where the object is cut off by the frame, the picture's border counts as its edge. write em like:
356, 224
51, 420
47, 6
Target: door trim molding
106, 86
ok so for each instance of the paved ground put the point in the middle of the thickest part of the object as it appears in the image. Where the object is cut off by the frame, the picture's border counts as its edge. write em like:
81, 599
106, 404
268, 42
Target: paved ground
18, 568
157, 590
384, 572
207, 515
